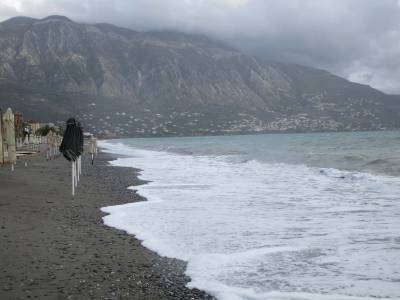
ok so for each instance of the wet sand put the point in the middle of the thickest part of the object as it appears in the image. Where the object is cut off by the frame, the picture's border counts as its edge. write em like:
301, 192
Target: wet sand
55, 247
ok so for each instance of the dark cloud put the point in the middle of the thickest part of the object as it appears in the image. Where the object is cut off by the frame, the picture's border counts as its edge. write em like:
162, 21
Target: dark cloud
357, 39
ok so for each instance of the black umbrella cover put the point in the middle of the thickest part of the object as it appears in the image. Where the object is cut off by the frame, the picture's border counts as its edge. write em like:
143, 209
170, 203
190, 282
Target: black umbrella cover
80, 130
72, 144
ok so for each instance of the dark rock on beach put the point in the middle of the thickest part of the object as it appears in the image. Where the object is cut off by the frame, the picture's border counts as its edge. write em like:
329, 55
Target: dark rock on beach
55, 247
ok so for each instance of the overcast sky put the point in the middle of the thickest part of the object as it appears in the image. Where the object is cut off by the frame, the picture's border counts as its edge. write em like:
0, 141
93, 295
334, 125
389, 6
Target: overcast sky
357, 39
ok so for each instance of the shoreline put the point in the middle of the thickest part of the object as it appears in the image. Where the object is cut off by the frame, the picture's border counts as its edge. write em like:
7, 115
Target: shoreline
54, 246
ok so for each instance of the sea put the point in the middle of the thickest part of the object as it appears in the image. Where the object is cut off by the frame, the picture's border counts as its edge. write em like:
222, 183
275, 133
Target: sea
276, 216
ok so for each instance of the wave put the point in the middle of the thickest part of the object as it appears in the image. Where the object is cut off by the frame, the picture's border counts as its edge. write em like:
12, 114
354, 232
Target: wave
379, 162
340, 174
222, 291
253, 230
355, 158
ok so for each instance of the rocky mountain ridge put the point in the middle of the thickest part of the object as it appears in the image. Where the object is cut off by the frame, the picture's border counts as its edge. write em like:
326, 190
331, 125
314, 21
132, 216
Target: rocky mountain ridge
121, 82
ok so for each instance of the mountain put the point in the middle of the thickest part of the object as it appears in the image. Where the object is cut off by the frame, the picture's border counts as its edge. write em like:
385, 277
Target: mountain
120, 82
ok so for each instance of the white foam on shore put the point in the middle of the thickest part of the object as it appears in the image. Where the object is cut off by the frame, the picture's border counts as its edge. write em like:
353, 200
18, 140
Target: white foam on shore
251, 230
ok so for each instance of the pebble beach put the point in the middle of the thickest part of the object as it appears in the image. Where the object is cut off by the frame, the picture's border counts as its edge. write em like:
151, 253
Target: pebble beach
54, 246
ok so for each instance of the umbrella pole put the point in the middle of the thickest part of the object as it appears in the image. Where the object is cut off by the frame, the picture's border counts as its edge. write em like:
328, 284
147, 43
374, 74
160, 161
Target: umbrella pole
76, 173
73, 179
80, 165
77, 169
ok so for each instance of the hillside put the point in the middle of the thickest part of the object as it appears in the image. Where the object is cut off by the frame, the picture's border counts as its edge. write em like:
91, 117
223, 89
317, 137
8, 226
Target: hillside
127, 83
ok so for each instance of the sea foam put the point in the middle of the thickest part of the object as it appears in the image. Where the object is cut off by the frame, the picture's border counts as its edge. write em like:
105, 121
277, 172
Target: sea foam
252, 230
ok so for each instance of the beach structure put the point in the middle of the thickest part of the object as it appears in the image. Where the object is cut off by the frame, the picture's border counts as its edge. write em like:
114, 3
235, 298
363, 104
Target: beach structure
9, 153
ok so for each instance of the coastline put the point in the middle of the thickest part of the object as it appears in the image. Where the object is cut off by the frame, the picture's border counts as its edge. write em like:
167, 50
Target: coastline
53, 246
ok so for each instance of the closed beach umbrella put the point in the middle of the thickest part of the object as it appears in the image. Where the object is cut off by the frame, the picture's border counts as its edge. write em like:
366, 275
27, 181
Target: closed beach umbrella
9, 135
92, 147
70, 146
50, 144
35, 143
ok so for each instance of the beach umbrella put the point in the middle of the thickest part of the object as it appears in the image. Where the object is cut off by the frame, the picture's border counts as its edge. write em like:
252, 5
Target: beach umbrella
35, 143
54, 143
58, 143
92, 147
9, 135
49, 144
72, 147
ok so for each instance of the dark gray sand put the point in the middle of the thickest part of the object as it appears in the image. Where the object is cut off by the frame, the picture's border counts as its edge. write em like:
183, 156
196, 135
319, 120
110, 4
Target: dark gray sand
56, 247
